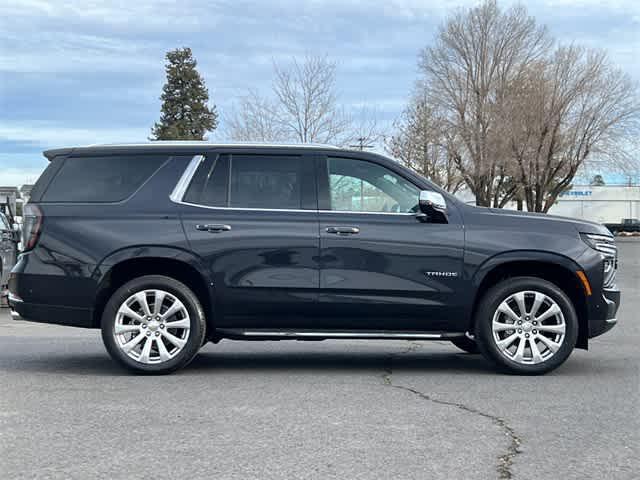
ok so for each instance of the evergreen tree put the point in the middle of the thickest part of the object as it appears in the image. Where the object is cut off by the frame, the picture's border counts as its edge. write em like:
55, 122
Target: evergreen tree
185, 114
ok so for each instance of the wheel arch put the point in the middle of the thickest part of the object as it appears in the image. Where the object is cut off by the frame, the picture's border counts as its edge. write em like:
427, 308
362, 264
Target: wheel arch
555, 268
124, 265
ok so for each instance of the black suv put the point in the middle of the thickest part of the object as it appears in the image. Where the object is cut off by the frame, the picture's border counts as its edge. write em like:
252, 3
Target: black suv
166, 246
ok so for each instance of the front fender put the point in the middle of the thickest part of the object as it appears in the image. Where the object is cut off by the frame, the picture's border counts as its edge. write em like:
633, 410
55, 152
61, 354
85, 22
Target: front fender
542, 256
528, 262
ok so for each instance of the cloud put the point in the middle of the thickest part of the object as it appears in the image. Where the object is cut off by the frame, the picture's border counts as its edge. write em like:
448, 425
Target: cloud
16, 176
46, 135
90, 71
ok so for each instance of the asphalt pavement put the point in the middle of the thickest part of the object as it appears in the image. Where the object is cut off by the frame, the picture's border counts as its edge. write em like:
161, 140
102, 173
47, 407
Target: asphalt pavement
326, 410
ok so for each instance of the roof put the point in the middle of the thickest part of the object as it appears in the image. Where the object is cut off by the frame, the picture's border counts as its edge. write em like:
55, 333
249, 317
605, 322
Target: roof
179, 146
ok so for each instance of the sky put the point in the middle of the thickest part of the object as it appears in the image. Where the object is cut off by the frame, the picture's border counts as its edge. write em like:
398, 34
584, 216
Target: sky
77, 72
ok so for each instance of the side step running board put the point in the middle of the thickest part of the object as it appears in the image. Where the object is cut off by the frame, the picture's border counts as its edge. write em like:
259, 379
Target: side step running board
285, 334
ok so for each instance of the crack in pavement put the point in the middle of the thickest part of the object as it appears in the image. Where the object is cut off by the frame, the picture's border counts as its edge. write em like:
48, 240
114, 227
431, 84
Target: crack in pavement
505, 461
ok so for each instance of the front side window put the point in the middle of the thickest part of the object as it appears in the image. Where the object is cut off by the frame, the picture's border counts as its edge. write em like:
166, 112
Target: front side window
361, 186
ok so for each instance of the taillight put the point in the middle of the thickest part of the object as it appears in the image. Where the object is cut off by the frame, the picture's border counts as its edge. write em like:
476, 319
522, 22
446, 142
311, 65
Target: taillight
32, 225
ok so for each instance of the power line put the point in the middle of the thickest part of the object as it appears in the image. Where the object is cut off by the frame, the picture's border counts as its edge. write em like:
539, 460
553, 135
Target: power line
361, 144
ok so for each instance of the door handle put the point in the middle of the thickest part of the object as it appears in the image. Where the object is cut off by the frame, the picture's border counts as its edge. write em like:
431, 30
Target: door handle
343, 230
214, 228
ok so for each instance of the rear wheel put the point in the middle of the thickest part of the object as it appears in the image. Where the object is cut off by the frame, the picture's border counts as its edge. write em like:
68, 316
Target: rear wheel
153, 324
526, 325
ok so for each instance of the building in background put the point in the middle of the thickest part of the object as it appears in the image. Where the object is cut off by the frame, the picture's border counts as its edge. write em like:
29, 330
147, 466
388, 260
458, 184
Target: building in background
8, 200
25, 192
602, 204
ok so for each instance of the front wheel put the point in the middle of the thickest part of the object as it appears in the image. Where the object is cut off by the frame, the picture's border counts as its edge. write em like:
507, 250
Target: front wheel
526, 325
153, 324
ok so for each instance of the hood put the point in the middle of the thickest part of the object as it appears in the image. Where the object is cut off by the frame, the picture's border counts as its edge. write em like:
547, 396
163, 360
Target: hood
582, 226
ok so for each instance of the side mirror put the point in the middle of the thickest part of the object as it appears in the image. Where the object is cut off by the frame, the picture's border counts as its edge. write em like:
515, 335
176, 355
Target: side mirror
433, 207
431, 202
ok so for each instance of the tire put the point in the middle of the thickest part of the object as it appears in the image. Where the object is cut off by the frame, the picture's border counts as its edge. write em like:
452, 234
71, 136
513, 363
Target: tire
152, 342
522, 349
466, 344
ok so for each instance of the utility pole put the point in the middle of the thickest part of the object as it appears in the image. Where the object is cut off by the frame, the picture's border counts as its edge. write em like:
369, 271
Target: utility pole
361, 144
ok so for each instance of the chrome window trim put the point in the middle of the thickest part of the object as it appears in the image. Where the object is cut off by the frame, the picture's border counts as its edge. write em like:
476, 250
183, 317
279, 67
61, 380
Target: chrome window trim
351, 212
181, 187
208, 207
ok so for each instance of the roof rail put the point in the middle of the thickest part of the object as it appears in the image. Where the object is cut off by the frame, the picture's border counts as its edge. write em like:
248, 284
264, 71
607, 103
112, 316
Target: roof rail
197, 143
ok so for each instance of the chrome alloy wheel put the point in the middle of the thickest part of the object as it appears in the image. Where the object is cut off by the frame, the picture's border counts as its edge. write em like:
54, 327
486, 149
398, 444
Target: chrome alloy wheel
528, 327
152, 326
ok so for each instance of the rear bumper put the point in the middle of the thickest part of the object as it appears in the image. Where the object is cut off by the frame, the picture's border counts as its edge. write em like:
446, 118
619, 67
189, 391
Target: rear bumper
21, 292
73, 317
13, 301
604, 311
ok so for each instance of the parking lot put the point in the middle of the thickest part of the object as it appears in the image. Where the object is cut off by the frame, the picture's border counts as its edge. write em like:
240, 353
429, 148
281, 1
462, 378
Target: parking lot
333, 409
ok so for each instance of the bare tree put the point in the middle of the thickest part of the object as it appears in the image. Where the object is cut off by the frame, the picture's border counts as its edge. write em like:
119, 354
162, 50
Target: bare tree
364, 131
478, 52
422, 143
567, 108
306, 95
255, 119
304, 108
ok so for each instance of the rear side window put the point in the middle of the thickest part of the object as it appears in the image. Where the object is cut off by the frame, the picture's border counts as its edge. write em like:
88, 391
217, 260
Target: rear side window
266, 182
101, 179
272, 182
209, 185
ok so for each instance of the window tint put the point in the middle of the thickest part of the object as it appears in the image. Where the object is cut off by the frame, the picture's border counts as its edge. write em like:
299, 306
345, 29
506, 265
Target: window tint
101, 179
261, 181
209, 185
43, 182
360, 186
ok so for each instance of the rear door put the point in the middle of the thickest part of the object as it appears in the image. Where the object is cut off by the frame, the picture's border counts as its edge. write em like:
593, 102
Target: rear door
253, 218
381, 267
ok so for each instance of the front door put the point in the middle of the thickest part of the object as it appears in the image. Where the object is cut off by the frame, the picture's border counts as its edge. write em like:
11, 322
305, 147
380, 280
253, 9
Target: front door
253, 219
381, 267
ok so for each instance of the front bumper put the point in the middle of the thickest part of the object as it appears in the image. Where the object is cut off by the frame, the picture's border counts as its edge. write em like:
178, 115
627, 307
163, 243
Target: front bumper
604, 314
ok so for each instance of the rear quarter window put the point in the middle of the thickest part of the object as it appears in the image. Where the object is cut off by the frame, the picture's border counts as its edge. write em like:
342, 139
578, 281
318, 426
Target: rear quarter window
101, 179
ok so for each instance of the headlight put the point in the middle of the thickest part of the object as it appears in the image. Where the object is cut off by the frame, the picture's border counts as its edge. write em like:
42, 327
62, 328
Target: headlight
607, 247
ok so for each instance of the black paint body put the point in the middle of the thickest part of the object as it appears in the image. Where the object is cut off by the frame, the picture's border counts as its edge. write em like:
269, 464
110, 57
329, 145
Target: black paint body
282, 269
